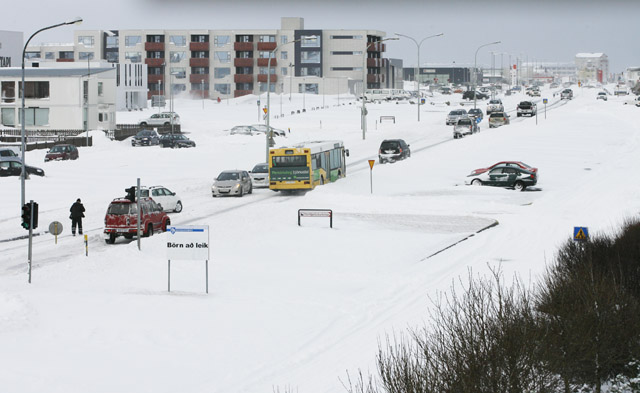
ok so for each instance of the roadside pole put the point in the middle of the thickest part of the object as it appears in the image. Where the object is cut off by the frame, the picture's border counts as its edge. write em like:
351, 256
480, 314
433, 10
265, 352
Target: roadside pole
544, 101
139, 214
371, 162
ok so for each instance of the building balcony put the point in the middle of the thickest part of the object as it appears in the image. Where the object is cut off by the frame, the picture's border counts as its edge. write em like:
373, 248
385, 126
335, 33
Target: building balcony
154, 62
377, 47
154, 46
240, 62
266, 46
265, 62
198, 62
243, 78
64, 60
198, 46
198, 78
374, 63
375, 78
243, 46
240, 93
153, 78
263, 78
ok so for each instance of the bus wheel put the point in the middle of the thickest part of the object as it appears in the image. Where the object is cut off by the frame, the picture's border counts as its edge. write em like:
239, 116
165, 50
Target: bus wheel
321, 180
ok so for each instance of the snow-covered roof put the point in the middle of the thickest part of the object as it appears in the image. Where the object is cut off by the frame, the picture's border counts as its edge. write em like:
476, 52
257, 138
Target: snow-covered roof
590, 55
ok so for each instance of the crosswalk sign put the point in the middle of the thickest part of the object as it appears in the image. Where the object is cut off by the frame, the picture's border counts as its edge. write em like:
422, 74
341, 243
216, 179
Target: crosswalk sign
580, 234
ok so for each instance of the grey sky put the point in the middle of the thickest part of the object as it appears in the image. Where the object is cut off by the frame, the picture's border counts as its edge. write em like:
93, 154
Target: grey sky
543, 30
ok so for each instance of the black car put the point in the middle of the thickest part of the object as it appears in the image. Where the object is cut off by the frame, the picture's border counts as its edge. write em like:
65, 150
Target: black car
176, 140
392, 150
468, 95
504, 176
476, 113
12, 166
145, 138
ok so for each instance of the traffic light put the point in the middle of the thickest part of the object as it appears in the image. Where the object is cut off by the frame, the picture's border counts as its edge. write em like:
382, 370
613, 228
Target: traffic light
131, 193
26, 216
34, 215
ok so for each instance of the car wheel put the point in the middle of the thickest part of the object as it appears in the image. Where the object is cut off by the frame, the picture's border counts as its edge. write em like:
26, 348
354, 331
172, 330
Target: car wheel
111, 239
380, 160
178, 207
165, 225
241, 192
167, 124
250, 189
476, 182
519, 186
149, 231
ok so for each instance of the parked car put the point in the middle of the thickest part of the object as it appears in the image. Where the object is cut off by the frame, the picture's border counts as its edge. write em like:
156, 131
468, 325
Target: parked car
494, 106
504, 176
12, 166
161, 119
455, 115
602, 96
176, 140
497, 119
260, 175
445, 90
465, 126
620, 91
476, 113
518, 164
232, 182
62, 152
7, 152
263, 128
392, 150
145, 138
567, 94
534, 93
122, 219
166, 198
468, 95
244, 130
554, 85
526, 108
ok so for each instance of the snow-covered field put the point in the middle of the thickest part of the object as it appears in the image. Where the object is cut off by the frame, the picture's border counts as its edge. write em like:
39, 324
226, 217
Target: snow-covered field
292, 307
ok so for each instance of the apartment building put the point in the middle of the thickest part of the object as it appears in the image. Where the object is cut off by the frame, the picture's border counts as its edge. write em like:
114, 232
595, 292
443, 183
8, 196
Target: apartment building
233, 63
11, 43
592, 67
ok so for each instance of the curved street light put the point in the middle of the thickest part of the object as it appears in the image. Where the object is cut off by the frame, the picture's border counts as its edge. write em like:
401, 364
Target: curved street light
364, 83
475, 72
74, 21
418, 65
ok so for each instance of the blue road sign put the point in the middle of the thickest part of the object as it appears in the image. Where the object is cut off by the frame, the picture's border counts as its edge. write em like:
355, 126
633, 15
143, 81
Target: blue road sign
580, 234
544, 101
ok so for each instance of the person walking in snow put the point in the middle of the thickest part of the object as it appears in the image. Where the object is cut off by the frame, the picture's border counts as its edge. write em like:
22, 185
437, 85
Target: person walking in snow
77, 212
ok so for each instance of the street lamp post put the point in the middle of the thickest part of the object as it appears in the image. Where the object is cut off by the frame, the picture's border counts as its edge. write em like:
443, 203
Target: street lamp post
363, 116
417, 74
475, 72
269, 133
171, 87
22, 110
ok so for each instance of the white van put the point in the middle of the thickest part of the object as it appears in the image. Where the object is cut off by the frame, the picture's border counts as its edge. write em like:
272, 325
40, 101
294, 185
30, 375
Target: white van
386, 94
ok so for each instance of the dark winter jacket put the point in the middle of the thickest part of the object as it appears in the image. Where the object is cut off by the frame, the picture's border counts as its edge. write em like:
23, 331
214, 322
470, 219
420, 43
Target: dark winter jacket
77, 210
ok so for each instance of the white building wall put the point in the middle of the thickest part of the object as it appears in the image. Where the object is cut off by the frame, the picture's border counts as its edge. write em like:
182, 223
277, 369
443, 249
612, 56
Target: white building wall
11, 43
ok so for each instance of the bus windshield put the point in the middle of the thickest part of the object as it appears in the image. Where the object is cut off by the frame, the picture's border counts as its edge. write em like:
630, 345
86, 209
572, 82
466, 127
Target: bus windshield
284, 161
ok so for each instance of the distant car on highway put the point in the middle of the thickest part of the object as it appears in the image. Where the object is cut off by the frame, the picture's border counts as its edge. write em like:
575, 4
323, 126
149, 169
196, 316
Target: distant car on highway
232, 182
476, 113
518, 164
504, 176
465, 126
168, 199
567, 94
260, 175
392, 150
455, 115
244, 130
468, 95
602, 96
497, 119
161, 119
494, 106
526, 108
262, 128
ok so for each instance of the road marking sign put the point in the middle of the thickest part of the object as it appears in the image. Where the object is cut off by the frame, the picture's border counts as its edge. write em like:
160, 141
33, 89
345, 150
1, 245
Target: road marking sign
580, 234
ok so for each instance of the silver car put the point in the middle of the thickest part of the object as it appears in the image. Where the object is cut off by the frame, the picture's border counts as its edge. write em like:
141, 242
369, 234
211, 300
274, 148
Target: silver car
455, 115
234, 182
260, 175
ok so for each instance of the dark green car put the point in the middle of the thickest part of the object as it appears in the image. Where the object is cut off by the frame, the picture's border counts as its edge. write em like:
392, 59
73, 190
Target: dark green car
504, 176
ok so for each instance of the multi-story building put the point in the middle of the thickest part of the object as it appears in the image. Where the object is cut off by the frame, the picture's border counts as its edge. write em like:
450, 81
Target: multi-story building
10, 48
232, 63
442, 73
592, 67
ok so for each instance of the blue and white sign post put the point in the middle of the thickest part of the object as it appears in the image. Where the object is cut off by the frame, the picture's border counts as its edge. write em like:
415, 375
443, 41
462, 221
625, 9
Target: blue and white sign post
188, 242
580, 234
544, 101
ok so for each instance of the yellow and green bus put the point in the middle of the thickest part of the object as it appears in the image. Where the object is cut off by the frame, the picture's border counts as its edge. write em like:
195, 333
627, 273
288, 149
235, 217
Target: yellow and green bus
306, 165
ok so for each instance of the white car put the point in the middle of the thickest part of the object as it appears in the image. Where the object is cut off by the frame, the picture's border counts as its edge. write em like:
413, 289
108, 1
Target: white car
260, 175
169, 201
161, 119
601, 96
494, 106
263, 128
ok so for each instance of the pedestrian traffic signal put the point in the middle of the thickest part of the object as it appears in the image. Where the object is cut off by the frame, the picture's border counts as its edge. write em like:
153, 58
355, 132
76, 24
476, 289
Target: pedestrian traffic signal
26, 216
131, 193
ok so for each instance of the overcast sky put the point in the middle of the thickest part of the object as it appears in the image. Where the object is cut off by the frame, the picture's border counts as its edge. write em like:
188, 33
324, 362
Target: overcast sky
540, 30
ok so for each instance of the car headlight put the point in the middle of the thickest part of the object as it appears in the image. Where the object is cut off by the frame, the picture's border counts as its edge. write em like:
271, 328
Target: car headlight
237, 185
213, 187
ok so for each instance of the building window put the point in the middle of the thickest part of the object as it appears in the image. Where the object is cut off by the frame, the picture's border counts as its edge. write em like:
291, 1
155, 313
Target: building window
284, 55
178, 87
201, 54
346, 69
244, 55
49, 55
221, 40
283, 70
31, 55
155, 55
263, 70
264, 54
85, 55
244, 38
176, 57
112, 57
310, 71
179, 72
310, 41
223, 57
134, 57
311, 88
272, 87
8, 92
200, 38
267, 38
222, 88
284, 39
132, 40
86, 40
35, 90
155, 38
100, 89
36, 116
219, 73
112, 42
310, 57
346, 37
8, 117
178, 40
200, 86
345, 53
200, 70
65, 55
